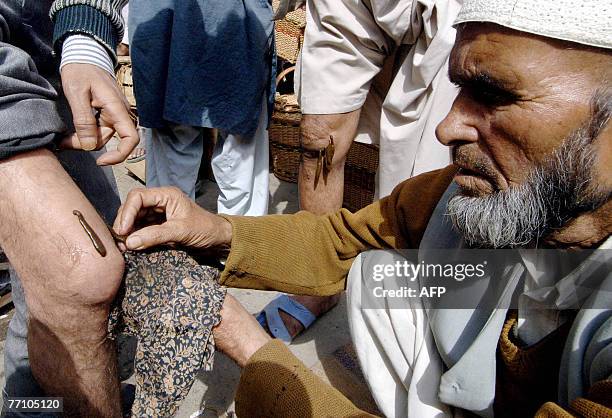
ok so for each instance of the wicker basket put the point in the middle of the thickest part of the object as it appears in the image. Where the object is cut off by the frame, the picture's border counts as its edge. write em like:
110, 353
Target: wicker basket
284, 132
360, 175
285, 145
289, 33
124, 79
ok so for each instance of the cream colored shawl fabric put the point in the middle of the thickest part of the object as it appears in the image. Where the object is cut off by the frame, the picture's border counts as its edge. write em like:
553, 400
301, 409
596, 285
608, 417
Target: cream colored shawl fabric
390, 58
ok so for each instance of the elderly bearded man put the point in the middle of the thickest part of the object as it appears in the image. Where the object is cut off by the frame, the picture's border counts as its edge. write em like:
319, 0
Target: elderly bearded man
532, 149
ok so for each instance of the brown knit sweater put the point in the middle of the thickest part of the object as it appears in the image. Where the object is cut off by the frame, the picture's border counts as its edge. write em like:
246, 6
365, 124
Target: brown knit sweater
527, 377
311, 255
275, 383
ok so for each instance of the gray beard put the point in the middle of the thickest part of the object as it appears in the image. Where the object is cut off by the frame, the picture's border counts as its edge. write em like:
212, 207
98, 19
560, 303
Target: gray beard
557, 191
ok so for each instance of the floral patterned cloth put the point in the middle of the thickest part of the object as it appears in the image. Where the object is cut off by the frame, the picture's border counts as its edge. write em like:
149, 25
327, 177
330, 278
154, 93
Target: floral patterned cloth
170, 303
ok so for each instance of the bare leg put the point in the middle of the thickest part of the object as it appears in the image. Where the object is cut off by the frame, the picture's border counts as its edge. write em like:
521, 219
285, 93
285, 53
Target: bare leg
68, 285
327, 195
316, 129
238, 335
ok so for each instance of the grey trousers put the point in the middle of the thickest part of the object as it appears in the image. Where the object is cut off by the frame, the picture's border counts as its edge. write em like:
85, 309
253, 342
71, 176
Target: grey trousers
240, 164
98, 185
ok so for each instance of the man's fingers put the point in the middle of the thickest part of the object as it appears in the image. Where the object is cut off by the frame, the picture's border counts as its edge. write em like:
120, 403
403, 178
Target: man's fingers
140, 218
117, 115
136, 201
128, 136
128, 213
153, 235
72, 141
124, 148
89, 87
117, 222
112, 157
105, 133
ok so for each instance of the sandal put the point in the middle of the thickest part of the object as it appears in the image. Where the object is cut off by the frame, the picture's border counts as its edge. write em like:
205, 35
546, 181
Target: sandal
269, 318
138, 154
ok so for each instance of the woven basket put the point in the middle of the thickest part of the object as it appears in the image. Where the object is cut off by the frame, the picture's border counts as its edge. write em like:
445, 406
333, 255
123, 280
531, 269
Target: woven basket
289, 33
289, 40
284, 133
361, 163
360, 175
124, 79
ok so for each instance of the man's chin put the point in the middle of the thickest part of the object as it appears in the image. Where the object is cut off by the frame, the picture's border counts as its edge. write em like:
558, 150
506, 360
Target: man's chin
473, 185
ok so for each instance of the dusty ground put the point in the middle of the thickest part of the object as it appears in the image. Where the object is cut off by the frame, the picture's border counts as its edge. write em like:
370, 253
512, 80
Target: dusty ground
325, 347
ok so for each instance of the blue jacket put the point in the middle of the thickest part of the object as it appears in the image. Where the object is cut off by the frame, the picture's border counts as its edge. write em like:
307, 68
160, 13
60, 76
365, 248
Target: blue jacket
206, 63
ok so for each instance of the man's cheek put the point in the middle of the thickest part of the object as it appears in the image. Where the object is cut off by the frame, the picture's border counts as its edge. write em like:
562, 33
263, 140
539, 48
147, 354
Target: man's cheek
514, 148
603, 150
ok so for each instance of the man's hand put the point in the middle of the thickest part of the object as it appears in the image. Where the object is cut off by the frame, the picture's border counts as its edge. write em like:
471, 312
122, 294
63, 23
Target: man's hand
169, 217
89, 89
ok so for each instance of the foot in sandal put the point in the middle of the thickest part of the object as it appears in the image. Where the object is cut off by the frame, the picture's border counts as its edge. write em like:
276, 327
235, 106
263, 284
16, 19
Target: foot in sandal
138, 154
287, 316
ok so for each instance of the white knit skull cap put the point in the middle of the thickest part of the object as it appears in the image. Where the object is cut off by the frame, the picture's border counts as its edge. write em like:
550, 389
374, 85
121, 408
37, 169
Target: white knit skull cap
586, 22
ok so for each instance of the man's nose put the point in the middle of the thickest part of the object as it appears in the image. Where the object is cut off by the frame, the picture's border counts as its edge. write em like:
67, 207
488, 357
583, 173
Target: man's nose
459, 126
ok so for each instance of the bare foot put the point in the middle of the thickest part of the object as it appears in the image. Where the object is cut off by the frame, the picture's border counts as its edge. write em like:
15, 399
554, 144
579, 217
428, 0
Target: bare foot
137, 155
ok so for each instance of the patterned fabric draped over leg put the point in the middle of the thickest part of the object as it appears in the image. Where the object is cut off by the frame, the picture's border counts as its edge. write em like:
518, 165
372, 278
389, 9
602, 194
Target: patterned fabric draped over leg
171, 304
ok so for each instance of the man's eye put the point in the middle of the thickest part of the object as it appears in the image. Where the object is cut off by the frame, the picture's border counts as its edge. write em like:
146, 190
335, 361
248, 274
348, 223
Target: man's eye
491, 97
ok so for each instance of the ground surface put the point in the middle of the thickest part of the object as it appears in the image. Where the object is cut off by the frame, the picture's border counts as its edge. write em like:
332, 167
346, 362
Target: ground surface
325, 348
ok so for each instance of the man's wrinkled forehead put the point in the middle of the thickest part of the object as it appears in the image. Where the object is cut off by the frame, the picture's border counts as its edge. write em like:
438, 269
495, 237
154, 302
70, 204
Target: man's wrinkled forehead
485, 50
514, 60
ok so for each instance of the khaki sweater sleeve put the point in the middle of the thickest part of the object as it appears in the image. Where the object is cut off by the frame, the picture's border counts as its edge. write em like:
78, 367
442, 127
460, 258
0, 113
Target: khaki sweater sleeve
311, 255
274, 383
597, 404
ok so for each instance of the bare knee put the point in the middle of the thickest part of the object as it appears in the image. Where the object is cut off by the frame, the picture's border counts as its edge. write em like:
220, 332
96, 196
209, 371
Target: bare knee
96, 280
87, 287
317, 131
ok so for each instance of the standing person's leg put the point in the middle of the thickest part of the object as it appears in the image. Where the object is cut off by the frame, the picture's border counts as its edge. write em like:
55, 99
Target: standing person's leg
343, 50
361, 124
325, 196
174, 154
241, 169
68, 285
98, 185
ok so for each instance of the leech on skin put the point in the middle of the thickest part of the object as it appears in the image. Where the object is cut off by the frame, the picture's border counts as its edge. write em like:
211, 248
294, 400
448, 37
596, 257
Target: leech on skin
116, 236
95, 239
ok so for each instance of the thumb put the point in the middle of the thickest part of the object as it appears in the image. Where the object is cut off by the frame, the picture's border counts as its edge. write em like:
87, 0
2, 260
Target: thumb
85, 124
152, 236
86, 130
